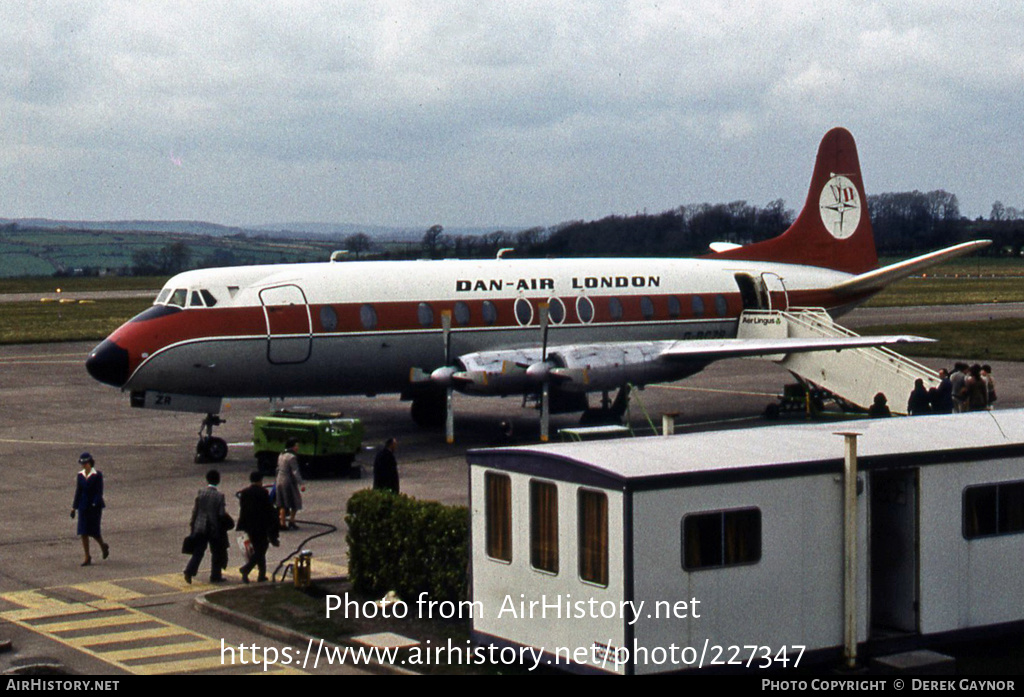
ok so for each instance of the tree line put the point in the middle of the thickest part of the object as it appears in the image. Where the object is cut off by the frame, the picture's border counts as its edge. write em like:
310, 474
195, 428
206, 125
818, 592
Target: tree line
904, 223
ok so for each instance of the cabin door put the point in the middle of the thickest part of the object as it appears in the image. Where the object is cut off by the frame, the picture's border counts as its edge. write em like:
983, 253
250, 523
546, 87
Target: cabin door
289, 324
894, 551
753, 292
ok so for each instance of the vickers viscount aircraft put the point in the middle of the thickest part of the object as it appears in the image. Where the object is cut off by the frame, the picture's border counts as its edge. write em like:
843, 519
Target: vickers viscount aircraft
556, 329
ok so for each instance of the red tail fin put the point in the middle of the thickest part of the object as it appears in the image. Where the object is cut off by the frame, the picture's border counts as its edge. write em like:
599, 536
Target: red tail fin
833, 229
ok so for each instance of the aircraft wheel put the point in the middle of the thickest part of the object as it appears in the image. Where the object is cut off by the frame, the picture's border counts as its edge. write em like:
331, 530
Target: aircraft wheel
429, 412
211, 449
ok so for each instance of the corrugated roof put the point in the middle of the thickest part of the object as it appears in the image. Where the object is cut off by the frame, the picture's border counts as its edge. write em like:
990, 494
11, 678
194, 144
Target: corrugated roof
719, 451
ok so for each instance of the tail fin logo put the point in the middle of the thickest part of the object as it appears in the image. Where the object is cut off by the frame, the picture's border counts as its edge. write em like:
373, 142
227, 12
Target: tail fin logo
840, 207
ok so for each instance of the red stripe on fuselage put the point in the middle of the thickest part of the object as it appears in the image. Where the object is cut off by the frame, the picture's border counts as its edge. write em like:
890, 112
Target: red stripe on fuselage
143, 337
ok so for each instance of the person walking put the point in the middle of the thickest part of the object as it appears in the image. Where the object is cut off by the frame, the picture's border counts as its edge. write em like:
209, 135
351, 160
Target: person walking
288, 486
209, 527
257, 519
385, 467
88, 505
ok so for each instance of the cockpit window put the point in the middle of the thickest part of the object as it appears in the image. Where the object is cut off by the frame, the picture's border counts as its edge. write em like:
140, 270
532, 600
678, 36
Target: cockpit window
178, 297
208, 297
162, 298
196, 300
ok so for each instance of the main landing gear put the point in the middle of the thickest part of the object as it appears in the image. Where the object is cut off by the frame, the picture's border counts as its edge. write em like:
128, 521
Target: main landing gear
210, 448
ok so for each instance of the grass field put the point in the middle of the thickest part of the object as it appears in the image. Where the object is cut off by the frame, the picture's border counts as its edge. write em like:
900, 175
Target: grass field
42, 322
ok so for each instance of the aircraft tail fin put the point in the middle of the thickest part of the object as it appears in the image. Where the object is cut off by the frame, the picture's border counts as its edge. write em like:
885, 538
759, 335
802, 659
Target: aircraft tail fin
833, 230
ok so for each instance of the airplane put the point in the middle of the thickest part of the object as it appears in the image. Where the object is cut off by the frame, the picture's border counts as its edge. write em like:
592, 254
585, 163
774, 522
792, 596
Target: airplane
555, 329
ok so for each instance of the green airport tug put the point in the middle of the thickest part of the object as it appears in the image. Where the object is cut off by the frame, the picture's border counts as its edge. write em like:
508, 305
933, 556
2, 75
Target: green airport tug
328, 443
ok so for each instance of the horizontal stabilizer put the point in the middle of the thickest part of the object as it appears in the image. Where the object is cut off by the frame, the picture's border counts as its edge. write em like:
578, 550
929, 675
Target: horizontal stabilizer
717, 349
880, 278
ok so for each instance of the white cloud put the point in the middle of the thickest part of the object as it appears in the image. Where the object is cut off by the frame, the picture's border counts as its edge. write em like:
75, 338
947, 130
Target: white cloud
491, 113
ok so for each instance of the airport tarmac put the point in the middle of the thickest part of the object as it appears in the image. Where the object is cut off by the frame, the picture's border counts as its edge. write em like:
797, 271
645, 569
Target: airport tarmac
52, 411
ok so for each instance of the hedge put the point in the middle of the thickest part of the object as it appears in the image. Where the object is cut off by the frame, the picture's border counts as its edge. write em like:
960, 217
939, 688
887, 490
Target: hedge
398, 543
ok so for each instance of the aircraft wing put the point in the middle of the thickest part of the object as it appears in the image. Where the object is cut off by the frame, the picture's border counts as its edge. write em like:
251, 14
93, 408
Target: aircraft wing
717, 349
880, 278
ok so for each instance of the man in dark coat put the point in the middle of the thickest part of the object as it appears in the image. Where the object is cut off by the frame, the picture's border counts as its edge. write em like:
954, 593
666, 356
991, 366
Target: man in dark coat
258, 519
385, 467
209, 526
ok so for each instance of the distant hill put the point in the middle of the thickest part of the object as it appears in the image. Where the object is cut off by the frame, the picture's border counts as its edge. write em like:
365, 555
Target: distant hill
301, 230
179, 227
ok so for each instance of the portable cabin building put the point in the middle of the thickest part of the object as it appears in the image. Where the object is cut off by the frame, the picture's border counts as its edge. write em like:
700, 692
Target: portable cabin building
661, 554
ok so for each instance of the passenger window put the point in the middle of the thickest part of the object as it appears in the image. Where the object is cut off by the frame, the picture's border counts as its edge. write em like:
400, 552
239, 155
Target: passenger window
585, 310
674, 309
721, 305
425, 313
647, 307
368, 316
461, 314
328, 318
524, 311
698, 306
615, 308
490, 312
556, 311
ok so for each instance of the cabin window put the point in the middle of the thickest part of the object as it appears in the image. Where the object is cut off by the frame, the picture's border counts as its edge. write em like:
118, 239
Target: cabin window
721, 305
461, 314
208, 298
593, 536
498, 514
556, 311
615, 308
674, 309
544, 526
328, 318
425, 314
697, 306
368, 317
993, 509
647, 307
489, 312
524, 312
585, 310
721, 538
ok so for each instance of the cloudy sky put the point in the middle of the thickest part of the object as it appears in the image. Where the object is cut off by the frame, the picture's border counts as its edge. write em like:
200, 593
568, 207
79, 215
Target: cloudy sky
486, 113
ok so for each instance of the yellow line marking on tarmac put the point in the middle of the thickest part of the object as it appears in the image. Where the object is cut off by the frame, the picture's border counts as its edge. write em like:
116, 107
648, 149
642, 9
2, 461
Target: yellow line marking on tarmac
91, 627
93, 623
157, 651
108, 590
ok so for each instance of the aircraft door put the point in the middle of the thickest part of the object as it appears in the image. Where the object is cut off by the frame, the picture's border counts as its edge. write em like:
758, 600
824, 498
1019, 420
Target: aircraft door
289, 324
753, 292
778, 296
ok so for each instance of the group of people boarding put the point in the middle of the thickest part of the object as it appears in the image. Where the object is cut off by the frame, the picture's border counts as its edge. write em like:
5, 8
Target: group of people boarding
967, 388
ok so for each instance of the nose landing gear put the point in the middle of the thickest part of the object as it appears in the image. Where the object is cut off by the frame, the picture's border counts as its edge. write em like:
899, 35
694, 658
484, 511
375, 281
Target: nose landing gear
210, 448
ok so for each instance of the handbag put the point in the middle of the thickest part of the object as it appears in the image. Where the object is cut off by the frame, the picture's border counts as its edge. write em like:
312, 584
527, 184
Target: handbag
188, 545
245, 544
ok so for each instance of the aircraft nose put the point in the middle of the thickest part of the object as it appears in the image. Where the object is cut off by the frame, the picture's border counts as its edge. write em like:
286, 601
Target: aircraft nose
108, 363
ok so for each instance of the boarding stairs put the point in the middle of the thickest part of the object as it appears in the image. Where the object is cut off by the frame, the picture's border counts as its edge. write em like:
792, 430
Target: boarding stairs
855, 374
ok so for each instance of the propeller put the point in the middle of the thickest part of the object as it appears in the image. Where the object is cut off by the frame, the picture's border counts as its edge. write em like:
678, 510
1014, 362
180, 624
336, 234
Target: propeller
443, 376
542, 371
